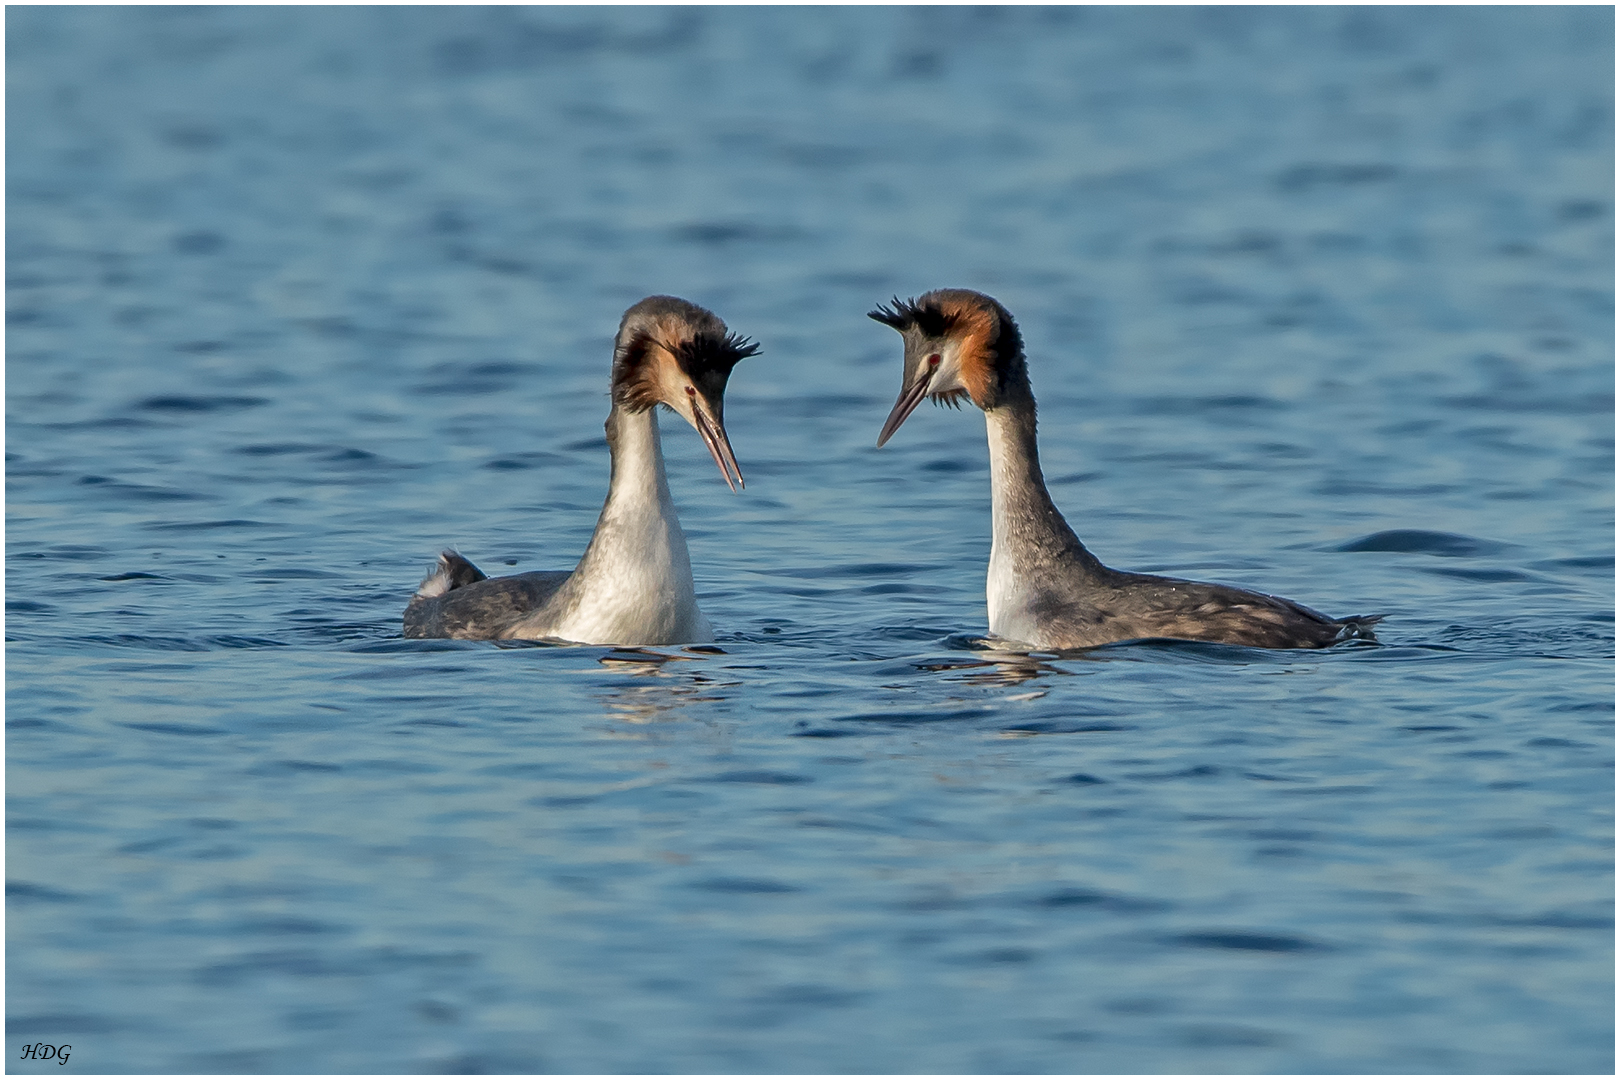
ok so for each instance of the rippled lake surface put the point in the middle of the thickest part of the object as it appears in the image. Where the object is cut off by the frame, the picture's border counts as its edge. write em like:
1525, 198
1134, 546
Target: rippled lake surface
1318, 301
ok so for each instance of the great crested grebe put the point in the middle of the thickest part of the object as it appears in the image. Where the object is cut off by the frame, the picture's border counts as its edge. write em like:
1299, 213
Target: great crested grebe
1044, 588
634, 584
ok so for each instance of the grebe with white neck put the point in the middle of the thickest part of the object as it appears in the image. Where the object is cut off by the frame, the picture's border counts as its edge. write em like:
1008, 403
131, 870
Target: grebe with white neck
1043, 587
634, 584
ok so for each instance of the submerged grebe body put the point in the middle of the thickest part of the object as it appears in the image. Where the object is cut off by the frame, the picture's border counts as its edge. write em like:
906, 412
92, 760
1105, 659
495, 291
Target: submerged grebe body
634, 584
1044, 588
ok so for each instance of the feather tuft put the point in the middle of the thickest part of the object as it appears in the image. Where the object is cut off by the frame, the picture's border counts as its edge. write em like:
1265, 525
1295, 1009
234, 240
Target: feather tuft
925, 315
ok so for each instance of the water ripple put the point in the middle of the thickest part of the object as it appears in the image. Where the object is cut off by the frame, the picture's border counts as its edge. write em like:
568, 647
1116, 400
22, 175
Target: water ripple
347, 278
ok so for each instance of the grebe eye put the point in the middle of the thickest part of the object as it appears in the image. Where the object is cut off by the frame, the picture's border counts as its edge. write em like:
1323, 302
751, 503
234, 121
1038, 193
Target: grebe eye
933, 361
691, 391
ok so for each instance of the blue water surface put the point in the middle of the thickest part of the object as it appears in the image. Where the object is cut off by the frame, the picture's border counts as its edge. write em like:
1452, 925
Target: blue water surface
1318, 301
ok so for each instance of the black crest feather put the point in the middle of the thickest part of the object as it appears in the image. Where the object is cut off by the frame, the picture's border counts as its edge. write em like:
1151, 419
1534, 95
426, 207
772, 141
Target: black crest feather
706, 358
708, 351
702, 347
926, 316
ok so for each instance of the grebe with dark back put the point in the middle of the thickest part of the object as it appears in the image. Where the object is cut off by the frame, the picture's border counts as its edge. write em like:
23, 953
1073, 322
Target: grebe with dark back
634, 584
1043, 587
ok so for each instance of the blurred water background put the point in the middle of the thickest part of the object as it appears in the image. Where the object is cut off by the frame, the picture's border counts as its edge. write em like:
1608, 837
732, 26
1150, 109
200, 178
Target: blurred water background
1318, 301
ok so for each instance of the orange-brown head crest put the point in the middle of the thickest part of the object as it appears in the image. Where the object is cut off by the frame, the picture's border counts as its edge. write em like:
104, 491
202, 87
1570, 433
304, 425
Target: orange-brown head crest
987, 340
663, 335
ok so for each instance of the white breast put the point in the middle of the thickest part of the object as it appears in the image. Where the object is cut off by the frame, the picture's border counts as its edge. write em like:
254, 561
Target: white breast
635, 588
634, 584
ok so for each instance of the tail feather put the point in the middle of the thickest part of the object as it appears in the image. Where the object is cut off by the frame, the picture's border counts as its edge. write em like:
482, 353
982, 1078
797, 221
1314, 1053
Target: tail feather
452, 572
1359, 627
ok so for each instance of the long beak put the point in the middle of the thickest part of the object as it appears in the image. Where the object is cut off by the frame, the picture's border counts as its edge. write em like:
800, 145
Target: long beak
910, 398
714, 437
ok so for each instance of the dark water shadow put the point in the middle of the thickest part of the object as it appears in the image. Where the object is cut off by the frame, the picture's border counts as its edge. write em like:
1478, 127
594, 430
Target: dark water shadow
1426, 542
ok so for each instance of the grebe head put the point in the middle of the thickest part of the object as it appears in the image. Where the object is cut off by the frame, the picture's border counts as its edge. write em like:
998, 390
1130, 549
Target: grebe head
670, 352
959, 343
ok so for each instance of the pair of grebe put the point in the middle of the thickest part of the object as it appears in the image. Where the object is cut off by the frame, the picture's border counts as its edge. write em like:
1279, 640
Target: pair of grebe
634, 584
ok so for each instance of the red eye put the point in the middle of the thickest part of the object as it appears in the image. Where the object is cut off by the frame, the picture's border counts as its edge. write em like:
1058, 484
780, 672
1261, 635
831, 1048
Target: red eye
691, 391
933, 361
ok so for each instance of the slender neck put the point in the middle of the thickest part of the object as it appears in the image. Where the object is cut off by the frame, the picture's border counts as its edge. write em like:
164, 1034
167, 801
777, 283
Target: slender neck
638, 461
1027, 529
637, 530
1016, 485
